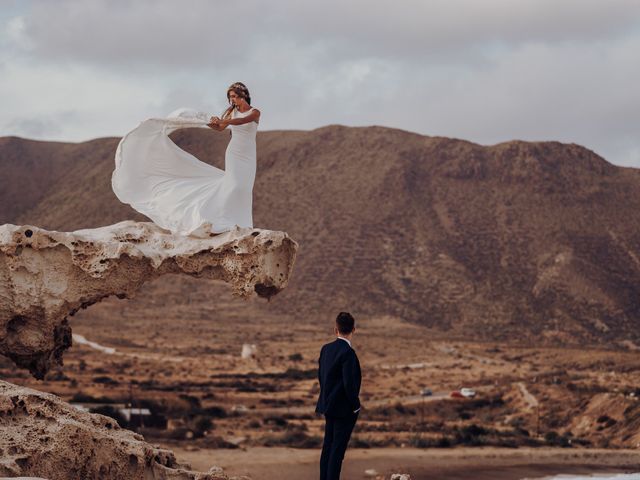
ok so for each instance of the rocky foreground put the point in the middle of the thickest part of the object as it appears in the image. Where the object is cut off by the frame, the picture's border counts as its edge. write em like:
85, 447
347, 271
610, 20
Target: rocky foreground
45, 276
43, 436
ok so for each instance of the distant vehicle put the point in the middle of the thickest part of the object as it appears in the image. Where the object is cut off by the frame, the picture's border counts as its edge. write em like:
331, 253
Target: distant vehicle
426, 392
468, 392
456, 394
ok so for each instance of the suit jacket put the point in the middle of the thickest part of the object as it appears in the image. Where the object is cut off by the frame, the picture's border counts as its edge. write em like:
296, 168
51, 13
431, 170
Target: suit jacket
340, 377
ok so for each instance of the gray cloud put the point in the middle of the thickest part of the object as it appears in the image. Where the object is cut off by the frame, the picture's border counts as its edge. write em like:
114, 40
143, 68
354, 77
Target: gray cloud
486, 71
160, 32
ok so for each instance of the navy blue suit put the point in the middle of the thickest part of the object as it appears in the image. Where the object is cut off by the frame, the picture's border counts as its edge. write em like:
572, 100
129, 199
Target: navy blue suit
340, 377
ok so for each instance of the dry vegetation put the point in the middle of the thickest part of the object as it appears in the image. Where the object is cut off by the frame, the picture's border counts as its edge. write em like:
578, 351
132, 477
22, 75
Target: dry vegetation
200, 391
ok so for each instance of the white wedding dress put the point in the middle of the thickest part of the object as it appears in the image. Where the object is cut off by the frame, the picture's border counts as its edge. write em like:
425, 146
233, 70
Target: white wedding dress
175, 189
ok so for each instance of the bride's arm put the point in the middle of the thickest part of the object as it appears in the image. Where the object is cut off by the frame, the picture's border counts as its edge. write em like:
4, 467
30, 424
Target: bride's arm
214, 123
253, 116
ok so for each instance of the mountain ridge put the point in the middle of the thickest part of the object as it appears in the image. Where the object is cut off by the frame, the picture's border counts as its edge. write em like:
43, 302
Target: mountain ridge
517, 240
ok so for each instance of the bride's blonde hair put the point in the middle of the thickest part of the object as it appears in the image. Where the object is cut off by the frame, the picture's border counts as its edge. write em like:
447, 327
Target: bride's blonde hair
242, 91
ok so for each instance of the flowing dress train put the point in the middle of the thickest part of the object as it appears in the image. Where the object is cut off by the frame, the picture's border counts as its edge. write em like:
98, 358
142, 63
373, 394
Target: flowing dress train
176, 190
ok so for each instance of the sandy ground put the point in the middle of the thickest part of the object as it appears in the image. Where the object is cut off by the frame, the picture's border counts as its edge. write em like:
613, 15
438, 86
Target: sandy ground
423, 464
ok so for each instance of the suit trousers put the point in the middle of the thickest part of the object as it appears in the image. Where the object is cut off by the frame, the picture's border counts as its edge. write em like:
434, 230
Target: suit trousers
337, 432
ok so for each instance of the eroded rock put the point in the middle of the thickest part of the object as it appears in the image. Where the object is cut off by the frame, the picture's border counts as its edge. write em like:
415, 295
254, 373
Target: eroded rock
40, 435
45, 276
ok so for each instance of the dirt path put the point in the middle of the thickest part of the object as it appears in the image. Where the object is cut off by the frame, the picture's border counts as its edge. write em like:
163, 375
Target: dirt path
532, 401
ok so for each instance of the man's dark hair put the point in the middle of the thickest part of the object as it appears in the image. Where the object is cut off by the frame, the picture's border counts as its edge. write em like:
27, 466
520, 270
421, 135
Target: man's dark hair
345, 323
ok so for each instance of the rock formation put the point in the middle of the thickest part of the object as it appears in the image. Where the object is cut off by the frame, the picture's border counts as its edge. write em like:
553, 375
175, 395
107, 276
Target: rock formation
43, 436
45, 276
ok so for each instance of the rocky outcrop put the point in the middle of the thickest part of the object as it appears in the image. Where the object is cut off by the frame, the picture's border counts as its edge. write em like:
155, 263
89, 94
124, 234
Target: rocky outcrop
45, 276
40, 435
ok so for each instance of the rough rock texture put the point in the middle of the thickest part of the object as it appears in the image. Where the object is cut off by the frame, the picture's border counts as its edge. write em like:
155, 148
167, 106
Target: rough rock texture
46, 275
40, 435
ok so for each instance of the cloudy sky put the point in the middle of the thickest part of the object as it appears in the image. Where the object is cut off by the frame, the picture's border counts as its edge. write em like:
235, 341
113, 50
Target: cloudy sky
483, 70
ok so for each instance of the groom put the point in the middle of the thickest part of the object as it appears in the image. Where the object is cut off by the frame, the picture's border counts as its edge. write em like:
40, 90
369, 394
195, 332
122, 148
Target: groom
340, 377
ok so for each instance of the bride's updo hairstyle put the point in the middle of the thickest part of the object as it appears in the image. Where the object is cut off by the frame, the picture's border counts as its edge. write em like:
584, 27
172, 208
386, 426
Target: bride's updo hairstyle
242, 91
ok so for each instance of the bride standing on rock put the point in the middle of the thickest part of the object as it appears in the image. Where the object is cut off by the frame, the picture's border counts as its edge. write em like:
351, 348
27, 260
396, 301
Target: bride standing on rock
175, 189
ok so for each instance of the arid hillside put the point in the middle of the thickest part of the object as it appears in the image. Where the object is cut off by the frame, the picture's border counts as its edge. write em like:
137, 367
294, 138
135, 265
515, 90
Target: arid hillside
518, 241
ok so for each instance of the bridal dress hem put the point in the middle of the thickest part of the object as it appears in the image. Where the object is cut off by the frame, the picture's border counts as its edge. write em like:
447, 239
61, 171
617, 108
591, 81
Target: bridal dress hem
177, 191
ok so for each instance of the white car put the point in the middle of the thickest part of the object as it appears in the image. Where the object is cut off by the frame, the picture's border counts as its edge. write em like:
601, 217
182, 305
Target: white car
468, 392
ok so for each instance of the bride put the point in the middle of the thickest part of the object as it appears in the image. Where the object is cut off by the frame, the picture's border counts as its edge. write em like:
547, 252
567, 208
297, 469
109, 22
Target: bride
175, 189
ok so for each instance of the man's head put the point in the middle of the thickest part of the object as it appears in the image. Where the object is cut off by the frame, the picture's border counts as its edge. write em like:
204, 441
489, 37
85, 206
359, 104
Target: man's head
345, 324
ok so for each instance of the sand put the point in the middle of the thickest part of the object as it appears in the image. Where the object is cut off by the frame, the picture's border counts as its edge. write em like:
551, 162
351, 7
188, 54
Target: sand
423, 464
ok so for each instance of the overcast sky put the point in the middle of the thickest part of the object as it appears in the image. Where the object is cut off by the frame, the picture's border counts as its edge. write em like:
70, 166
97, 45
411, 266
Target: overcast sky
484, 70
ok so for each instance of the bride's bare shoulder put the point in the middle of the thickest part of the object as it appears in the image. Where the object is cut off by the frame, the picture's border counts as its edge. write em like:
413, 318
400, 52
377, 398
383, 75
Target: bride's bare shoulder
256, 114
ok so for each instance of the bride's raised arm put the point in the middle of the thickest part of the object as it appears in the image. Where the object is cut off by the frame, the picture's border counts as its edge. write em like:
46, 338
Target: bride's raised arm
254, 116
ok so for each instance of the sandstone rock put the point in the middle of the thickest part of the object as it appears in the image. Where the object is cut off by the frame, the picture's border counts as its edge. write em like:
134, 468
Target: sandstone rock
40, 435
45, 276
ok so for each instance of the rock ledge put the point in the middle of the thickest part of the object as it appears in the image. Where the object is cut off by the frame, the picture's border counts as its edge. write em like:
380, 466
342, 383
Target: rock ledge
45, 276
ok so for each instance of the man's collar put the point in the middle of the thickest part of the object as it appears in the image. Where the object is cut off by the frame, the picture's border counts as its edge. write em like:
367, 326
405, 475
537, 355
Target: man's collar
346, 340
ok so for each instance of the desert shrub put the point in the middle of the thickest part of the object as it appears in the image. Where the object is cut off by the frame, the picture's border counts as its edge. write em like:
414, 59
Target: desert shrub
57, 376
403, 410
213, 441
553, 438
254, 424
295, 357
215, 412
297, 374
418, 441
200, 424
605, 422
277, 402
105, 380
194, 402
302, 427
247, 388
359, 442
293, 440
180, 433
112, 412
472, 435
522, 432
275, 420
152, 404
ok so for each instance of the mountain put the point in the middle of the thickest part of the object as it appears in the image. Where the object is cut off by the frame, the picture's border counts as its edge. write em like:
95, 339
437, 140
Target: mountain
524, 241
